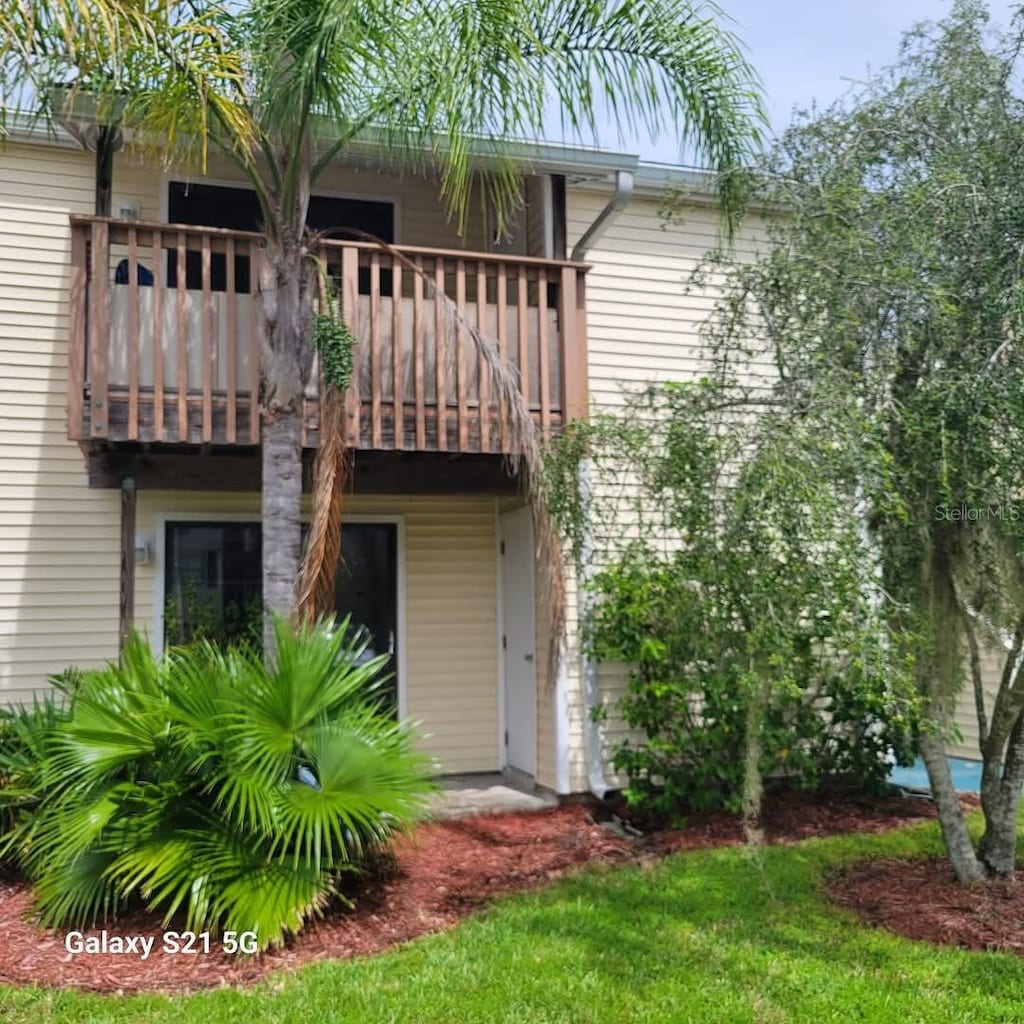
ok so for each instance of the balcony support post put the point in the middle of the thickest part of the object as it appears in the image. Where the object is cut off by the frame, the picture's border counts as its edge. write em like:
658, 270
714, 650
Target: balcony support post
126, 606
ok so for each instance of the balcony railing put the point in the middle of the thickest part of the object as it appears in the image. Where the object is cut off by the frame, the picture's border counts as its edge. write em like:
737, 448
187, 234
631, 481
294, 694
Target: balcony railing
164, 340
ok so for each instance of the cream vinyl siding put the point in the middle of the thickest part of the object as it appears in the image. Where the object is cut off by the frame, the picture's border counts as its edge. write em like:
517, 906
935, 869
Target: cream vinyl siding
966, 716
450, 611
643, 325
58, 538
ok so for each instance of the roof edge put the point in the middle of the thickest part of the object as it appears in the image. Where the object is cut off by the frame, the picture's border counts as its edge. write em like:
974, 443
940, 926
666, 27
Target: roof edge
537, 155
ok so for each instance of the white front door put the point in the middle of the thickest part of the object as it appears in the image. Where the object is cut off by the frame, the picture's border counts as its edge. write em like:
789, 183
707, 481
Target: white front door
519, 640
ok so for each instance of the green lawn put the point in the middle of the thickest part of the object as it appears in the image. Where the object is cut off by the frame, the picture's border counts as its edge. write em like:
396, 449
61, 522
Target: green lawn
714, 937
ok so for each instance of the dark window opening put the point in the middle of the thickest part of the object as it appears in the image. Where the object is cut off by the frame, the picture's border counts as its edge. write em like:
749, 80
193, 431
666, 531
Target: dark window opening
237, 209
213, 587
212, 583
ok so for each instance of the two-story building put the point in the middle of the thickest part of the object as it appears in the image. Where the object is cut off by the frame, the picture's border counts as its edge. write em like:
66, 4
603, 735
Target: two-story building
129, 434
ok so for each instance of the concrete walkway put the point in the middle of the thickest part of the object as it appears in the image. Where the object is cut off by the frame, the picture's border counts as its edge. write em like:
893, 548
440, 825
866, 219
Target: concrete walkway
461, 796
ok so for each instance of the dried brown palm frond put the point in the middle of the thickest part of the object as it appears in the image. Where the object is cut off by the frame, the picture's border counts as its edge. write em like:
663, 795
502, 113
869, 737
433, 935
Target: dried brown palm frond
523, 454
332, 475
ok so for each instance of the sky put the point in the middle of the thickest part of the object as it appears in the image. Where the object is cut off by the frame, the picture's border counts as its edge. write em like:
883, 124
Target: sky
805, 50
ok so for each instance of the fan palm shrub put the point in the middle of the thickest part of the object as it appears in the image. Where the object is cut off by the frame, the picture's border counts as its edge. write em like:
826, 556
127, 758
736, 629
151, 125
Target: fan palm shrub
209, 786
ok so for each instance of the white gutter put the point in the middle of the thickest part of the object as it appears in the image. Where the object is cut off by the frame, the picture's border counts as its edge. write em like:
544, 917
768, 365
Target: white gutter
563, 747
623, 193
596, 781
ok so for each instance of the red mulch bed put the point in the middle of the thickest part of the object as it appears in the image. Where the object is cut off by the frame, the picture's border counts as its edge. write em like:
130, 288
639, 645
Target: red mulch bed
444, 871
921, 899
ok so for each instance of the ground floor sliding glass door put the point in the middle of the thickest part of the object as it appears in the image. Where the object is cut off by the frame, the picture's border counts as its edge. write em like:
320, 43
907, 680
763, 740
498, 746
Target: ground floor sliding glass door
212, 585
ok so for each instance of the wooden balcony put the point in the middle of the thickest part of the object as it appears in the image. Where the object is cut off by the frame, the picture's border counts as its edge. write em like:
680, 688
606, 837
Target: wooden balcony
164, 342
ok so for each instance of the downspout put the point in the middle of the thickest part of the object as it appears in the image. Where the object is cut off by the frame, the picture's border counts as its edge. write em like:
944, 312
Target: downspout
596, 781
563, 747
622, 195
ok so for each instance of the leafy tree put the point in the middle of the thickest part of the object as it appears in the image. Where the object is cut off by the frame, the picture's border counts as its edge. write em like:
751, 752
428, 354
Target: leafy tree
283, 87
748, 657
208, 784
890, 309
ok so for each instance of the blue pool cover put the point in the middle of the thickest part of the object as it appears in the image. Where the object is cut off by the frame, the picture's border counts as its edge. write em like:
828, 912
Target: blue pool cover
966, 775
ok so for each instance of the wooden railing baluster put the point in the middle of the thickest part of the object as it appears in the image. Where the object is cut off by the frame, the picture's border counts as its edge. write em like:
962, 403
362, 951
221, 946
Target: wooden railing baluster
77, 326
98, 357
206, 332
419, 384
182, 336
204, 320
158, 336
376, 379
483, 390
255, 256
523, 327
502, 332
397, 341
231, 368
440, 350
461, 341
133, 334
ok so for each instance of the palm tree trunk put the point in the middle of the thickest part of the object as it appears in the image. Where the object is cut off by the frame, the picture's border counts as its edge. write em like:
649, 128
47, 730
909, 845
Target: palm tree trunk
286, 293
282, 525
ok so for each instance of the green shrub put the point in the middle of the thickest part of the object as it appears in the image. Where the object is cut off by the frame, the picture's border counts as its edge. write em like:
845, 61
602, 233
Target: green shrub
692, 681
721, 563
207, 785
189, 618
26, 740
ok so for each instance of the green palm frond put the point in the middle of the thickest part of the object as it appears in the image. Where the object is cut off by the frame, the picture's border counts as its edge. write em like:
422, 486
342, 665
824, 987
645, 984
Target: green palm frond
211, 786
76, 890
120, 715
367, 782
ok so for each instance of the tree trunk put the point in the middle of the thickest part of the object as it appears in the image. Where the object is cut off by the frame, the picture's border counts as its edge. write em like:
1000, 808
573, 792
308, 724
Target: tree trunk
282, 524
1000, 802
951, 816
286, 359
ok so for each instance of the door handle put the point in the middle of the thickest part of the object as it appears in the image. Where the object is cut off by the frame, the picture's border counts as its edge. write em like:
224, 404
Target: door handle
527, 657
391, 641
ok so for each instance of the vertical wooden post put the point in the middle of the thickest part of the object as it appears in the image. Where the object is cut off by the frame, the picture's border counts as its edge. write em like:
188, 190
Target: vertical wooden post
419, 383
397, 355
107, 139
98, 357
503, 348
133, 334
78, 327
542, 351
376, 381
182, 336
126, 613
158, 337
440, 362
483, 392
350, 310
462, 413
573, 399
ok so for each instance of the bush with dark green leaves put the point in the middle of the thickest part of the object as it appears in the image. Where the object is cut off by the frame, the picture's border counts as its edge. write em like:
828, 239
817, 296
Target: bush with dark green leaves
211, 788
825, 715
724, 561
